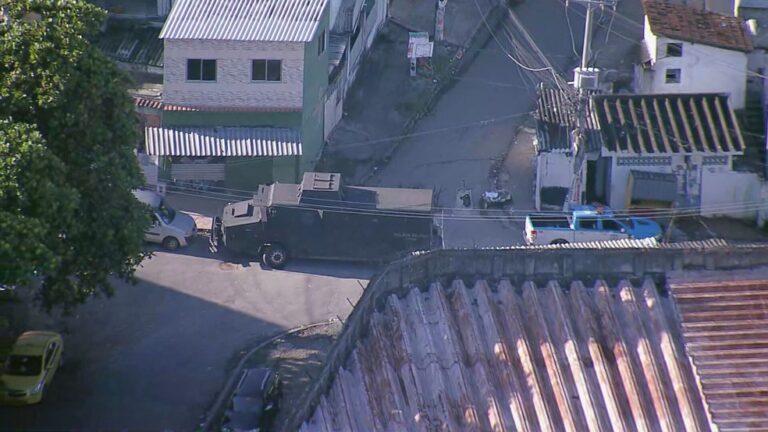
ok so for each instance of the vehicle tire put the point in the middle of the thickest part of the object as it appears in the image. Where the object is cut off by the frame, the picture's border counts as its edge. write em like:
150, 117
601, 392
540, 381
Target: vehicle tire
275, 256
171, 243
558, 242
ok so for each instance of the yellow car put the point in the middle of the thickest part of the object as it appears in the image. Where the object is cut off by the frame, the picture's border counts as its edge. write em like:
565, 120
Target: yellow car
30, 367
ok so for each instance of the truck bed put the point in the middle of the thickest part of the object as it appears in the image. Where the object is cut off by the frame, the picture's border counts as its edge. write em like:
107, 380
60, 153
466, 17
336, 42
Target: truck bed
549, 220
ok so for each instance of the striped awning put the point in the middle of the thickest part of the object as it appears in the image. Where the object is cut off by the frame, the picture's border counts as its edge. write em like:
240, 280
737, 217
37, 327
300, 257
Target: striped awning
223, 141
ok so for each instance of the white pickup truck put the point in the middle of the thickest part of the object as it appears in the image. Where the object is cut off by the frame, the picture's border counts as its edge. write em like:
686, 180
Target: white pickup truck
586, 224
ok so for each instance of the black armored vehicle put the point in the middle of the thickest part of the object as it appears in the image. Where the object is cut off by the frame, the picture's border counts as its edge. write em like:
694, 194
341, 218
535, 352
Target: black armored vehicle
322, 218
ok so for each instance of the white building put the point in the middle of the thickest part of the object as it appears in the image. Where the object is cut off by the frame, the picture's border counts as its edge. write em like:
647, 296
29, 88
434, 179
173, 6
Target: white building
674, 150
689, 50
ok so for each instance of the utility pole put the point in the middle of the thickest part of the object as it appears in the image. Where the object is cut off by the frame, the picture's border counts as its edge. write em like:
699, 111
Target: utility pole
440, 20
584, 79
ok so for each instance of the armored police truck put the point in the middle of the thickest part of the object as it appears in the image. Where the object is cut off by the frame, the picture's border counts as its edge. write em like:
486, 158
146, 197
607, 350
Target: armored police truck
322, 218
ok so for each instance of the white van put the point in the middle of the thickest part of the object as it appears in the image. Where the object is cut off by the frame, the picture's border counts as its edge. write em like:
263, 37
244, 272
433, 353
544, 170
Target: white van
169, 227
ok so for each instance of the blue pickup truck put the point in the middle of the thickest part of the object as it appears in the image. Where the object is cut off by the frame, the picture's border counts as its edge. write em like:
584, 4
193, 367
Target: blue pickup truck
587, 224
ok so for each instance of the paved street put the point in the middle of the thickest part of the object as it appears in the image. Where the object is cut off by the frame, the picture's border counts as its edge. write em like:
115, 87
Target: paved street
493, 97
156, 355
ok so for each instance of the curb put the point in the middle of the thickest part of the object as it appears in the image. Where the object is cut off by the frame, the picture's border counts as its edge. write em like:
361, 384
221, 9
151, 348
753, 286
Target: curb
225, 392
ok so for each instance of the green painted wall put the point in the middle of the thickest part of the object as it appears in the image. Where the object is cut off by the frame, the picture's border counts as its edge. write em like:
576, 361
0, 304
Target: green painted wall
232, 119
248, 173
315, 84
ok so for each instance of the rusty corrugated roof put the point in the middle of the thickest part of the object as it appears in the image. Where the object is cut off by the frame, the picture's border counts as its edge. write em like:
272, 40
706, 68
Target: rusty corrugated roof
691, 24
724, 318
497, 357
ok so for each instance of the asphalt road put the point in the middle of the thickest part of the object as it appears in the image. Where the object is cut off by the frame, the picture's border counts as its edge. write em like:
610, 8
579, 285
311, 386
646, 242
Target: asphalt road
492, 98
155, 355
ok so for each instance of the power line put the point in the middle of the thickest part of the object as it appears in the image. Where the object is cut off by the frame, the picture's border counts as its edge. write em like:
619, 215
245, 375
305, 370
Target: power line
506, 215
478, 123
510, 56
694, 48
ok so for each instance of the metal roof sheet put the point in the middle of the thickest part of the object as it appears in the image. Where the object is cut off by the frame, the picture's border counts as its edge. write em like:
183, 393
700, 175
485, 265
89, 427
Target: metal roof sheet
492, 356
723, 320
668, 124
556, 118
223, 141
244, 20
132, 43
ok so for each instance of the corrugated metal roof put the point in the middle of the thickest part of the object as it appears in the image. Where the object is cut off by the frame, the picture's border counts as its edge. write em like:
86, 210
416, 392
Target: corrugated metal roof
503, 358
223, 141
653, 186
668, 124
244, 20
556, 118
648, 243
132, 43
724, 319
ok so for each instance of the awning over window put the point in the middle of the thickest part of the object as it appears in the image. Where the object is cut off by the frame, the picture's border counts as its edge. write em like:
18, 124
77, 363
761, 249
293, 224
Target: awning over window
223, 141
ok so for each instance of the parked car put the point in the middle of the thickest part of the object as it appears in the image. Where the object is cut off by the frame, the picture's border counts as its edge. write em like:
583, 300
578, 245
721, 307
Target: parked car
587, 224
33, 361
254, 403
171, 228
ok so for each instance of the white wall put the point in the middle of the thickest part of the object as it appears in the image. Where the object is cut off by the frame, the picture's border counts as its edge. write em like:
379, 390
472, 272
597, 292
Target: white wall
334, 110
233, 86
620, 177
552, 169
704, 69
723, 193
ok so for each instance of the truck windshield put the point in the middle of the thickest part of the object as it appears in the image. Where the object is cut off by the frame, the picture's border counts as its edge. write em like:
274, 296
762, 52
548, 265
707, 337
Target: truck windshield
166, 213
24, 365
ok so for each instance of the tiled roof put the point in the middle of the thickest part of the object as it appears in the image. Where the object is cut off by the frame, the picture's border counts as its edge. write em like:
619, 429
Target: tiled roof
556, 119
156, 103
668, 124
724, 318
223, 141
244, 20
695, 25
493, 356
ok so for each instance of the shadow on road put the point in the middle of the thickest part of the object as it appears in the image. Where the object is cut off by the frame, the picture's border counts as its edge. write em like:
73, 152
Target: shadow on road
149, 358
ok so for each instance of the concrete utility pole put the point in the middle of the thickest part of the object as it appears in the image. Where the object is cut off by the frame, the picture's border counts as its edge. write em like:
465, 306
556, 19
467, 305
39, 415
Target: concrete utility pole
440, 20
582, 76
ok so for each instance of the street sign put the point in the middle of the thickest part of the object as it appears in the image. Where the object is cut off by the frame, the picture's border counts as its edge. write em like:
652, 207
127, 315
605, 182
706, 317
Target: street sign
419, 45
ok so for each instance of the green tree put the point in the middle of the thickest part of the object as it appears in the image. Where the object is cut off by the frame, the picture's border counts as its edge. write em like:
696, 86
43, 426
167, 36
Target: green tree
67, 133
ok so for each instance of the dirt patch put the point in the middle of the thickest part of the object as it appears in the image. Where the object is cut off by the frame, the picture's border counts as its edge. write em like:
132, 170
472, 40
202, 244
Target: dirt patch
299, 359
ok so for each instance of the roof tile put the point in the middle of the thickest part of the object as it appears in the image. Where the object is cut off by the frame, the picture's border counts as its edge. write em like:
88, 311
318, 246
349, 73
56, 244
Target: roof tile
695, 25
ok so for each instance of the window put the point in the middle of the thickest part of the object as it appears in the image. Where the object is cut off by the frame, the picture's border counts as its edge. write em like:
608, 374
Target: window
201, 70
267, 70
612, 225
50, 354
674, 50
672, 76
588, 223
321, 44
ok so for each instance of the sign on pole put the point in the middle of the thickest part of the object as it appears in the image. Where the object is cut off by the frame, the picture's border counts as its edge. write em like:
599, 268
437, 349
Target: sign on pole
419, 45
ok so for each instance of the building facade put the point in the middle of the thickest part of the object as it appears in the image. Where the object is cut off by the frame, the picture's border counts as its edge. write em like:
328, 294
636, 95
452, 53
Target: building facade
688, 50
243, 91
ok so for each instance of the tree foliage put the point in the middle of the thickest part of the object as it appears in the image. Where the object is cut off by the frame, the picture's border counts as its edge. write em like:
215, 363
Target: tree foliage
67, 133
